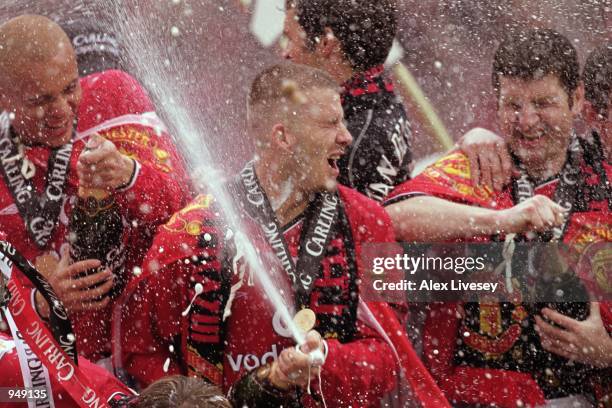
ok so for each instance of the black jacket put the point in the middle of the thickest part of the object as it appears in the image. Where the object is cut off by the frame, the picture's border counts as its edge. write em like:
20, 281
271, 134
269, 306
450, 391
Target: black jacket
380, 156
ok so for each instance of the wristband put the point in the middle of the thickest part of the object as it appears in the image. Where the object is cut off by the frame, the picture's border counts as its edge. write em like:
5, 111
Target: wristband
129, 183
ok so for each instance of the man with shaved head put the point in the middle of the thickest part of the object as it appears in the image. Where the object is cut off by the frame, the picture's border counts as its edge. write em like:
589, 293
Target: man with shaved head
44, 163
37, 63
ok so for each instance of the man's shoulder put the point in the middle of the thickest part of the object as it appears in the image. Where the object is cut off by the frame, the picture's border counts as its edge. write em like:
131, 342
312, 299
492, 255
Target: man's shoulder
363, 211
353, 198
111, 77
109, 94
449, 177
180, 238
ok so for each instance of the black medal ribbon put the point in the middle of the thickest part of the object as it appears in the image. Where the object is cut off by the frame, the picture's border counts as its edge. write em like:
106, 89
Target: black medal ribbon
594, 157
557, 379
319, 225
39, 212
59, 322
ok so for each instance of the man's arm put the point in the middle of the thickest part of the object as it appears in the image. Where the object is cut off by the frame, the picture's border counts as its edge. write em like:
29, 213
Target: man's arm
150, 321
152, 305
427, 218
362, 370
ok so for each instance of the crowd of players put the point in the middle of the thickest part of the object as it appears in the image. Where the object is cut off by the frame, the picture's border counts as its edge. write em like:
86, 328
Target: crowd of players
330, 174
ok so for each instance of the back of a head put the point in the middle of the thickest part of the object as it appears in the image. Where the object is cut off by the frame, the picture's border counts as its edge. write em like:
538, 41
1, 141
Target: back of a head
96, 47
365, 28
597, 77
282, 86
181, 392
29, 39
534, 54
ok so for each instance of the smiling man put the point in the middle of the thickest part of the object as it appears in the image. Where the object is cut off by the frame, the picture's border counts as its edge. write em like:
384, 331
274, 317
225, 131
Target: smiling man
557, 195
43, 165
314, 229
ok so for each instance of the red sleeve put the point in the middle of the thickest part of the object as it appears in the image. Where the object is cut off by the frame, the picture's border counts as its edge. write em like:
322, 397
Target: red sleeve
468, 385
153, 197
111, 94
605, 309
363, 368
151, 308
449, 178
151, 322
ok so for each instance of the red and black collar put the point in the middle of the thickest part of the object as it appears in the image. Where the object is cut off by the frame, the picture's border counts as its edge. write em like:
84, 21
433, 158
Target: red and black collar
367, 82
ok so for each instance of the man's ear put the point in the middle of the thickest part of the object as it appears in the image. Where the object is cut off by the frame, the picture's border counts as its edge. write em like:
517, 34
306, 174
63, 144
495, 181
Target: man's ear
578, 100
590, 113
282, 138
329, 44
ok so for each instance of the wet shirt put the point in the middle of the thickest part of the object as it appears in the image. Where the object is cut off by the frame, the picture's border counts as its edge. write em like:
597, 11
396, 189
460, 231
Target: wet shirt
231, 329
154, 195
472, 348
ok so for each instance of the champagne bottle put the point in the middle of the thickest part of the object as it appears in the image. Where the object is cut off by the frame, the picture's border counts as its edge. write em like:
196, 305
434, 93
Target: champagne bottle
559, 288
96, 232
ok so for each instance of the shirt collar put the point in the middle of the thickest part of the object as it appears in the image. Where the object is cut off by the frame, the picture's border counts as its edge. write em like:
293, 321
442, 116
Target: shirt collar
367, 82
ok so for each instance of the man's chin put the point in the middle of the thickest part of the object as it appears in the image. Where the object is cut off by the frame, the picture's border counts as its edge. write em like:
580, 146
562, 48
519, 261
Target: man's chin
525, 154
53, 140
331, 186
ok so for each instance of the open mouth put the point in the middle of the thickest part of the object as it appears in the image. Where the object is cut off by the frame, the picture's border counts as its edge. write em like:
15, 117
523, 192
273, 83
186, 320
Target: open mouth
332, 160
333, 163
531, 137
58, 128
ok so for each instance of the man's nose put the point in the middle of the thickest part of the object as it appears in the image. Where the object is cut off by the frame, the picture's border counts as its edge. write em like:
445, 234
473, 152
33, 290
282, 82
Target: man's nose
527, 117
344, 137
60, 107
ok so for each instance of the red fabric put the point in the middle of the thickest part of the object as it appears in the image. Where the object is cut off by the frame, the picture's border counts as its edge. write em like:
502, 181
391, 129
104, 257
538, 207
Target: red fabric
469, 385
605, 308
449, 178
120, 94
420, 379
356, 373
367, 82
147, 204
11, 377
